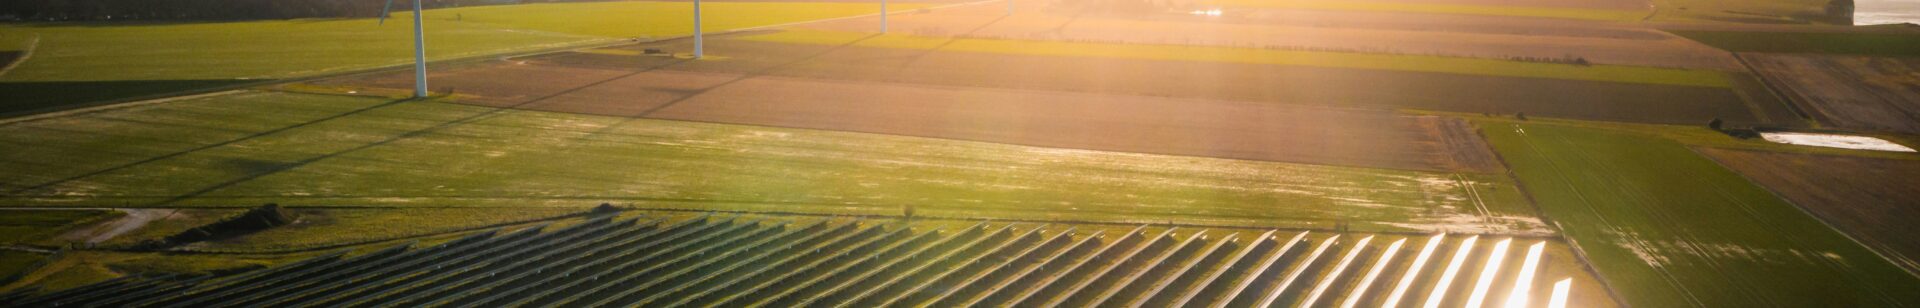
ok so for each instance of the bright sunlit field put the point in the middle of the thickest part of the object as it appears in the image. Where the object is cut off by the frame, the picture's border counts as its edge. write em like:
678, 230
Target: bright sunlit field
953, 153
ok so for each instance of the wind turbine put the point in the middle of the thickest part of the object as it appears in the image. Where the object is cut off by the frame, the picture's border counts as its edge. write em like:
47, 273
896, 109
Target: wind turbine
883, 16
419, 48
696, 29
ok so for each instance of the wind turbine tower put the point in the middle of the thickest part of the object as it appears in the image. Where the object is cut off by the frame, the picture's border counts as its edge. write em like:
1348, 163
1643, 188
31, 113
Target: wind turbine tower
419, 47
696, 30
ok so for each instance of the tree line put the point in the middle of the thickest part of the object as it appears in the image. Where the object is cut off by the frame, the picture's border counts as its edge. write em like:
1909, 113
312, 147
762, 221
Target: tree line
106, 10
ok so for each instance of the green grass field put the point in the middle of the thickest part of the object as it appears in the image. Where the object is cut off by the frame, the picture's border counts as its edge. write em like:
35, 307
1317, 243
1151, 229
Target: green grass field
305, 149
1853, 43
95, 61
1667, 227
1412, 63
1440, 8
30, 226
12, 262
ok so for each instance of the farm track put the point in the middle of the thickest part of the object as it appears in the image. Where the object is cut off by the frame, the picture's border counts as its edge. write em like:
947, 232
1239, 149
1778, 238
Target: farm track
804, 261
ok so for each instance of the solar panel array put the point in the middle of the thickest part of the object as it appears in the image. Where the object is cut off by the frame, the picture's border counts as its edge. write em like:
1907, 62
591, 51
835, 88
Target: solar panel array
731, 262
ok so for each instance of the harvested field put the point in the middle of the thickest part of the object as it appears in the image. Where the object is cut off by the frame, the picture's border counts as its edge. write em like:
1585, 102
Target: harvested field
1894, 41
1102, 122
1740, 13
1139, 124
1627, 14
1261, 56
1586, 4
1203, 80
1855, 92
1478, 37
1870, 199
755, 260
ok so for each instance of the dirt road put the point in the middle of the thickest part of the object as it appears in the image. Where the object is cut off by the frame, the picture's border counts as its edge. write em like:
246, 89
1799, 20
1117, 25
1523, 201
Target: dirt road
107, 230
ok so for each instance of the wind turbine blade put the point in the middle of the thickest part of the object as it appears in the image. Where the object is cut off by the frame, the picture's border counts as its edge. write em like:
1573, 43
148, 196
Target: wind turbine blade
384, 11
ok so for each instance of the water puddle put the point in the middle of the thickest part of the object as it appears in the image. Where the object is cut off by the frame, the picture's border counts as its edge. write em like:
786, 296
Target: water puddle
1880, 12
1836, 141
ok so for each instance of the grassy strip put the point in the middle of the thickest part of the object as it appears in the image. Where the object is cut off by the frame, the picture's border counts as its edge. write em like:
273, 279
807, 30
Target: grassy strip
253, 148
1413, 63
1855, 43
1440, 8
1670, 228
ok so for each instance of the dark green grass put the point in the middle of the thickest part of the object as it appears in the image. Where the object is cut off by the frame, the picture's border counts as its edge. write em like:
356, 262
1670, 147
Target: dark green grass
1854, 43
13, 262
28, 97
1667, 227
29, 225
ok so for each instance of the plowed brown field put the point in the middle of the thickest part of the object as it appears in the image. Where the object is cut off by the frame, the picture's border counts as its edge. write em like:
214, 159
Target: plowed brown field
1126, 123
1857, 92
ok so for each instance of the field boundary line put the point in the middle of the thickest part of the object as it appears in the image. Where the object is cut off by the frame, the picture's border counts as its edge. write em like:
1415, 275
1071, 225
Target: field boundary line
27, 53
1907, 265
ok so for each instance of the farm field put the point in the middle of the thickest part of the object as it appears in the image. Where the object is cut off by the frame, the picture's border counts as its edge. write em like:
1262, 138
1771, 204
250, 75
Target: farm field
1409, 63
1335, 31
81, 63
1282, 84
1631, 201
1137, 124
1887, 41
1075, 153
1785, 12
1623, 11
1864, 197
797, 260
1845, 91
344, 150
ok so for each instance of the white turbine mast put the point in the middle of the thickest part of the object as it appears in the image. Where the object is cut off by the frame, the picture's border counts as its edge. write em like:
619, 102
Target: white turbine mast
697, 49
419, 47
